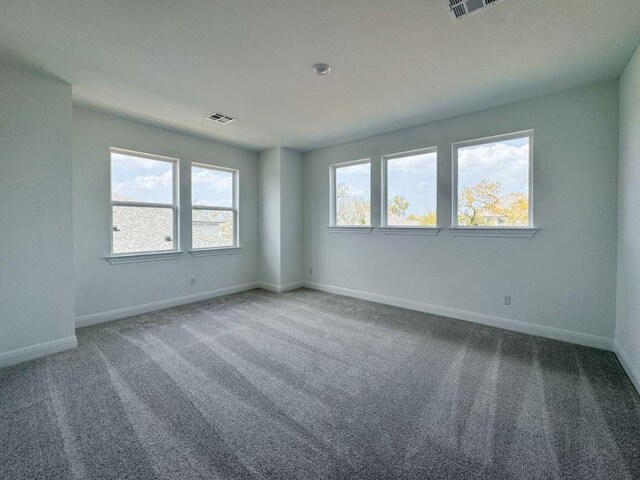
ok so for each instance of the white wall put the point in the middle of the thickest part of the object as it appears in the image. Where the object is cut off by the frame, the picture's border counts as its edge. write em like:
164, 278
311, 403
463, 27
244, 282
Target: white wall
269, 217
291, 211
563, 278
280, 218
628, 291
36, 265
105, 291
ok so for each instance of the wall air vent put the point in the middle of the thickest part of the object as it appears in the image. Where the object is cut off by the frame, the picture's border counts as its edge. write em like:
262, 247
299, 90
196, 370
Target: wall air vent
221, 118
463, 8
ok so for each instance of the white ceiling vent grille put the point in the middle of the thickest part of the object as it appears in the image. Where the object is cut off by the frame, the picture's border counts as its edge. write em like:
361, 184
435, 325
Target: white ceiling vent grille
221, 118
463, 8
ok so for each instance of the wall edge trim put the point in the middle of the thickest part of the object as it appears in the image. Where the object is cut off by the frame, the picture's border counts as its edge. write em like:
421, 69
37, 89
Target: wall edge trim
31, 352
555, 333
623, 358
101, 317
273, 287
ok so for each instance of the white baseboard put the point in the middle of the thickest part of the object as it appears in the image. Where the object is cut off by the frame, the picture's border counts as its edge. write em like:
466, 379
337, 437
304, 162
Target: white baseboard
34, 351
272, 287
631, 371
493, 321
570, 336
95, 318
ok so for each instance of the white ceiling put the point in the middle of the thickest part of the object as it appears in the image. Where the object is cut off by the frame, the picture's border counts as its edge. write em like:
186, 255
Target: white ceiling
395, 63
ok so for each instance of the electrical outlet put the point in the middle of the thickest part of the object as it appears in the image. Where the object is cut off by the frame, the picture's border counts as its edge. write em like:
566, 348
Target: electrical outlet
192, 281
506, 300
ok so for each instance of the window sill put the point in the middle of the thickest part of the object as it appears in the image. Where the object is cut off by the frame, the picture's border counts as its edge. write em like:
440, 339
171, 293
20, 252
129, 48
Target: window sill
364, 230
142, 257
205, 252
410, 230
517, 232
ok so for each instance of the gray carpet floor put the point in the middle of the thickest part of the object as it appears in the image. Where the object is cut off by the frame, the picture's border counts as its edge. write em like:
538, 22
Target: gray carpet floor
312, 385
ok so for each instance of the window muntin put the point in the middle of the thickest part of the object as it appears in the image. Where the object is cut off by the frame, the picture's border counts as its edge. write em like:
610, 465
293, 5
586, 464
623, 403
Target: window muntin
144, 210
410, 189
351, 194
493, 182
214, 207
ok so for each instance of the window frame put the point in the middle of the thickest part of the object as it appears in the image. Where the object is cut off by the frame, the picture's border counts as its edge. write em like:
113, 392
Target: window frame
235, 208
488, 229
332, 196
384, 191
175, 205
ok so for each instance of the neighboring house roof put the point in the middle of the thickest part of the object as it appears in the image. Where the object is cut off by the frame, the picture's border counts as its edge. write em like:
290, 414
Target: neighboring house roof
142, 229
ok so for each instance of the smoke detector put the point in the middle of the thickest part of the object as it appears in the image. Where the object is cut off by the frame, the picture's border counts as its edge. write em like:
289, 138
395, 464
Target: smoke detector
463, 8
220, 118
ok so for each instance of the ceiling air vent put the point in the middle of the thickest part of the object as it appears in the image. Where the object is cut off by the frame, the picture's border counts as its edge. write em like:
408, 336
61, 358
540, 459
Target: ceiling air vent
463, 8
221, 118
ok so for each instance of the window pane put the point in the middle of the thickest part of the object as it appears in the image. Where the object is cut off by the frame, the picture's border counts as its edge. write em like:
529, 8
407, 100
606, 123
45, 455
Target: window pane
142, 229
212, 228
493, 184
353, 197
211, 188
141, 179
411, 190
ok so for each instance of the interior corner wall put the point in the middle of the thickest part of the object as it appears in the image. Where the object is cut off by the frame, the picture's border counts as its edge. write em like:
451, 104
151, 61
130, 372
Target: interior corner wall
291, 248
561, 281
36, 251
104, 291
628, 286
280, 193
269, 217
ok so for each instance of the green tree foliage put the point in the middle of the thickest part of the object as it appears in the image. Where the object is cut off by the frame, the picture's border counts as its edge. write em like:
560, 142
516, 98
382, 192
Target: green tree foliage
428, 219
397, 214
484, 205
352, 208
398, 205
480, 205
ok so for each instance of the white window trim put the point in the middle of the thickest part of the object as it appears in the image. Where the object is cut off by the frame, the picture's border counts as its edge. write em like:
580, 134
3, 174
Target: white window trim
130, 257
235, 208
348, 229
488, 231
516, 232
142, 257
206, 252
409, 229
412, 230
332, 198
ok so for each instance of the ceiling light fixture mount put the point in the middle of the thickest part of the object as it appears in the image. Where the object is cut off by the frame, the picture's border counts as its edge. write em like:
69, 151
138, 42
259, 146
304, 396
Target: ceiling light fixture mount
321, 68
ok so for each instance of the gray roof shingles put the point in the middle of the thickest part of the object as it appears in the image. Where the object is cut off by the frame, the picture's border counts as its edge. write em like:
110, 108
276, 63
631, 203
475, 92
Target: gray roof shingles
150, 229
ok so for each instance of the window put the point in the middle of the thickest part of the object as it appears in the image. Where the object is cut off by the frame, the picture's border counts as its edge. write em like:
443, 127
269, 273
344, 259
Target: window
492, 184
409, 189
144, 210
214, 207
351, 194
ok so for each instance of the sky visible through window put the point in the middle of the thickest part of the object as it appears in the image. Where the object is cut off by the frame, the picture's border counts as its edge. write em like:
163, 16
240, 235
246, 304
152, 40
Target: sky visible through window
357, 178
493, 184
413, 178
504, 161
353, 195
141, 179
211, 188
